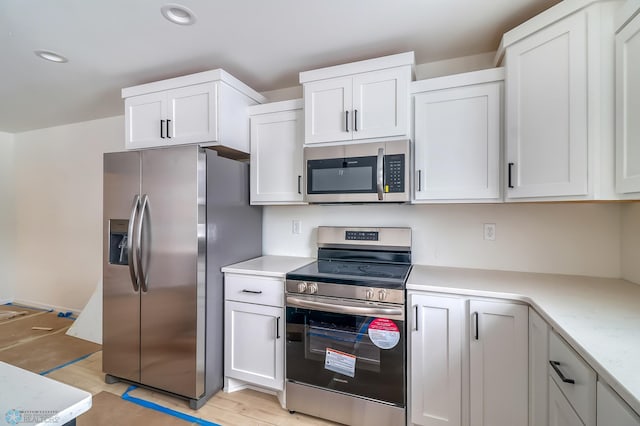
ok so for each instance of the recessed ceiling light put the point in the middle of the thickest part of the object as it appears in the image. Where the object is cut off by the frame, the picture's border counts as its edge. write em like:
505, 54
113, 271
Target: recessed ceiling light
178, 14
50, 56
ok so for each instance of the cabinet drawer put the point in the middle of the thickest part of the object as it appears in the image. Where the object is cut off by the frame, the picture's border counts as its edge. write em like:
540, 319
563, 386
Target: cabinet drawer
254, 289
582, 393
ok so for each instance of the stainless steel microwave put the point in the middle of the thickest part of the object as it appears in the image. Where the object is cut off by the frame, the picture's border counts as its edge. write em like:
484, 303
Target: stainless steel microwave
358, 173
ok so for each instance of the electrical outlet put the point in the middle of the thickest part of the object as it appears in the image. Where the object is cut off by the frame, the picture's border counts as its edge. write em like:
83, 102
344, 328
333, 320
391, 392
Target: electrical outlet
296, 226
490, 231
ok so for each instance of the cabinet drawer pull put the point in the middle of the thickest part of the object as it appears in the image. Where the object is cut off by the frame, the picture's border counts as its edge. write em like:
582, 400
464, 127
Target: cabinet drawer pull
419, 180
162, 129
346, 121
277, 327
168, 135
299, 184
556, 366
510, 168
416, 317
252, 291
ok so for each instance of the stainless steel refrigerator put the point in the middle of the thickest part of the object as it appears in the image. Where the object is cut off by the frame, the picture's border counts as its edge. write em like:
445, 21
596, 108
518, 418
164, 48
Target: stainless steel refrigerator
172, 218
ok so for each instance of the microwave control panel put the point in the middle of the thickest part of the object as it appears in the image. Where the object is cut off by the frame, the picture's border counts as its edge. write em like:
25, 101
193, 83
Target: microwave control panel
394, 173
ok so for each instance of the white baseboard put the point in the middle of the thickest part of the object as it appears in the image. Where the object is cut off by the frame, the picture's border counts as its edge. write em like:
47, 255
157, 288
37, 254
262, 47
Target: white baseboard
32, 304
5, 301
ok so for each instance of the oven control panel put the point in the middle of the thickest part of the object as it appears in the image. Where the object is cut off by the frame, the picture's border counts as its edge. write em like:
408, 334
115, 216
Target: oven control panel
369, 294
361, 235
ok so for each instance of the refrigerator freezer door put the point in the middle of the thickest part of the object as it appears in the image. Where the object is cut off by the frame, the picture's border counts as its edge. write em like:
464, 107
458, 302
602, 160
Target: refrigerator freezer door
121, 301
173, 248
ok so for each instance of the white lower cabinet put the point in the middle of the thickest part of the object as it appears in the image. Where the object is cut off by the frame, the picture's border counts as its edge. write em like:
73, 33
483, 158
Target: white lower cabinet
254, 333
560, 411
538, 373
435, 388
253, 344
612, 410
498, 361
444, 367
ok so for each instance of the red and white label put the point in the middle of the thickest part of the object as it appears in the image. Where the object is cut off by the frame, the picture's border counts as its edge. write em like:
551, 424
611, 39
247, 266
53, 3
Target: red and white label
384, 333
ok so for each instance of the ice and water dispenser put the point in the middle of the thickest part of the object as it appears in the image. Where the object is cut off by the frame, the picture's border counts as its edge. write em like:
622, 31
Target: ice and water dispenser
118, 241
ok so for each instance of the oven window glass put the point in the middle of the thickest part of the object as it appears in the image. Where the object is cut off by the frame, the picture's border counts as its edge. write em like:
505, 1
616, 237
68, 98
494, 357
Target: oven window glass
340, 352
342, 175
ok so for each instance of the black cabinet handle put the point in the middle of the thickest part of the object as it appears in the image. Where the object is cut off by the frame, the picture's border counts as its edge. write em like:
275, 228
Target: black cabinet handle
346, 121
476, 333
162, 129
169, 136
556, 366
355, 120
419, 180
252, 291
299, 184
510, 168
278, 328
416, 317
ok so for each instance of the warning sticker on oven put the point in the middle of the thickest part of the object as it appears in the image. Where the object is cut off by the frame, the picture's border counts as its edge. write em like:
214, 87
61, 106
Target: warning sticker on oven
340, 362
384, 333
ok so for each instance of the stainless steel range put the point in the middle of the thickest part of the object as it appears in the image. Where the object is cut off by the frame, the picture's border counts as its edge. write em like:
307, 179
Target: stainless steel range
346, 358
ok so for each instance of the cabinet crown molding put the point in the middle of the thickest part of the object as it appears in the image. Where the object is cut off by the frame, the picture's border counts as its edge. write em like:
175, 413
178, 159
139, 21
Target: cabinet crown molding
191, 79
391, 61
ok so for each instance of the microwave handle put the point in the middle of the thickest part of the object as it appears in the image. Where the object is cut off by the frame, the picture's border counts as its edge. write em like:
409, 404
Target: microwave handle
380, 174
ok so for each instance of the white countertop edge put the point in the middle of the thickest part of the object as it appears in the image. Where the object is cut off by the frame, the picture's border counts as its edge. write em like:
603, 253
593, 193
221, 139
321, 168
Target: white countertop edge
601, 371
268, 265
71, 413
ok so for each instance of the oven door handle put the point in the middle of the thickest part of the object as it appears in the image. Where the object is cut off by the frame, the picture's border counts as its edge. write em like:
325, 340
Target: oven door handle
346, 308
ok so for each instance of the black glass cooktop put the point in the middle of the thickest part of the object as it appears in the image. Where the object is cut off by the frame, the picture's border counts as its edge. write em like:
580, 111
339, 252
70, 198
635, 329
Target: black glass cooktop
371, 274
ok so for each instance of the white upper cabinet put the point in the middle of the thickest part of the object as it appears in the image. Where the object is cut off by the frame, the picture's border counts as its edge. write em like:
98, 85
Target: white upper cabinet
276, 153
361, 100
457, 137
559, 104
627, 104
208, 108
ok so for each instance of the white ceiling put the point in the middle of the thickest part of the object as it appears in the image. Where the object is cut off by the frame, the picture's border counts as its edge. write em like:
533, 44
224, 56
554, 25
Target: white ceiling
113, 44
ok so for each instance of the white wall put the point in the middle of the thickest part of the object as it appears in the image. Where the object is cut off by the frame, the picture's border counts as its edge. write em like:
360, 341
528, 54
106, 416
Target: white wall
7, 218
58, 174
578, 238
630, 224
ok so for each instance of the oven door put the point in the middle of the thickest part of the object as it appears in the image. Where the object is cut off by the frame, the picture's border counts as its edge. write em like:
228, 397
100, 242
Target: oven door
347, 346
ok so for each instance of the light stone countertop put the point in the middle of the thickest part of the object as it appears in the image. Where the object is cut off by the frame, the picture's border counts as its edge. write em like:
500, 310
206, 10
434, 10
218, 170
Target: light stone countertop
599, 317
269, 266
27, 398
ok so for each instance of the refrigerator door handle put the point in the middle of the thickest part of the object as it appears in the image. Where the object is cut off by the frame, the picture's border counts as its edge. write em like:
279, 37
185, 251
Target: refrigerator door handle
141, 274
130, 244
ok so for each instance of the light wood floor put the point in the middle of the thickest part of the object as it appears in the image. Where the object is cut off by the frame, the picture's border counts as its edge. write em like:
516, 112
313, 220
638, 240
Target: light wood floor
246, 407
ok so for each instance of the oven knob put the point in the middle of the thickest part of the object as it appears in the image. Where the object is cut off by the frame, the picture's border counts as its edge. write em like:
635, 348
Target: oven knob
302, 287
369, 294
382, 295
313, 288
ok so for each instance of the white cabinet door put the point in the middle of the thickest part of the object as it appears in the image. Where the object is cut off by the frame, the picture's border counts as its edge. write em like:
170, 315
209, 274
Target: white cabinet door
144, 125
381, 103
457, 143
538, 371
254, 344
435, 367
498, 364
193, 114
560, 411
612, 410
628, 107
327, 106
546, 112
276, 158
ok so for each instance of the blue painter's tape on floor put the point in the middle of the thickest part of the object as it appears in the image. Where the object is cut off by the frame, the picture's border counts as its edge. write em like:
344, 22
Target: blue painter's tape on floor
44, 373
165, 410
28, 307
